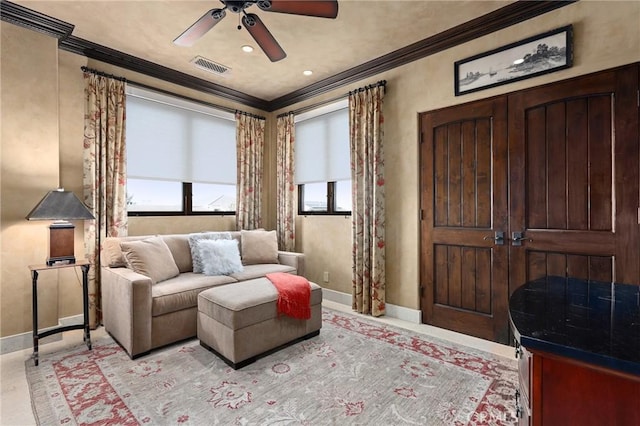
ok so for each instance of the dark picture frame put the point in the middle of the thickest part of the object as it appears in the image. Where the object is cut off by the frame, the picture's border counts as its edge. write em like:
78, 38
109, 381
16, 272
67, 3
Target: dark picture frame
541, 54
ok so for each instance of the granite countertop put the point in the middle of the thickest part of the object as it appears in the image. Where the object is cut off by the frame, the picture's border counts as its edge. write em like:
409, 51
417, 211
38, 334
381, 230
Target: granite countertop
591, 321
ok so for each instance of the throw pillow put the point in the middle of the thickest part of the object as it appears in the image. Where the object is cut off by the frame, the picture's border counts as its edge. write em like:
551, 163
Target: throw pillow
150, 257
220, 257
111, 255
195, 252
179, 247
259, 247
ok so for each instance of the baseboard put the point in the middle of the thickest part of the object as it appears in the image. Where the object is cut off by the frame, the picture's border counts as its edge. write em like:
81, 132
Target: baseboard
393, 311
18, 342
336, 296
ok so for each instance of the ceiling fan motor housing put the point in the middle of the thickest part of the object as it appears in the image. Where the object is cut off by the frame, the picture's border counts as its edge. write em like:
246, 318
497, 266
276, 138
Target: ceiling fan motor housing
238, 6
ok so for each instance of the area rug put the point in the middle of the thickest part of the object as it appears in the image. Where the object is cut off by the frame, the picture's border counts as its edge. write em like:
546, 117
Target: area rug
356, 372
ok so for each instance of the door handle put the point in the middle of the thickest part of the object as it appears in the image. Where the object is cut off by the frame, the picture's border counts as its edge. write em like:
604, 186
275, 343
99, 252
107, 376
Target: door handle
517, 238
498, 238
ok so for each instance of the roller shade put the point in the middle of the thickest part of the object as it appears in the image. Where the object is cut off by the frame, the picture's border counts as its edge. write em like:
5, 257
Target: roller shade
322, 148
172, 139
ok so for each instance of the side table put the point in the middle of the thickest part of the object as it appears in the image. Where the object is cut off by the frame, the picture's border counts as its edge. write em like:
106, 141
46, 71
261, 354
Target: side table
35, 269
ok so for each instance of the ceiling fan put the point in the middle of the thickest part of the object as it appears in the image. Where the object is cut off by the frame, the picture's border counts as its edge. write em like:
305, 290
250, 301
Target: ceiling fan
253, 24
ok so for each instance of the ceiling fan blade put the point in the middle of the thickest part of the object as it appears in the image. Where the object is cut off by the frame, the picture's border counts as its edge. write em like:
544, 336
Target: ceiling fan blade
320, 9
263, 37
200, 27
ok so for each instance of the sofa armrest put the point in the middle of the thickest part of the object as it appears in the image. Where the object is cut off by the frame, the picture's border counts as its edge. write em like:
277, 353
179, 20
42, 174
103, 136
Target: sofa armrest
126, 308
292, 259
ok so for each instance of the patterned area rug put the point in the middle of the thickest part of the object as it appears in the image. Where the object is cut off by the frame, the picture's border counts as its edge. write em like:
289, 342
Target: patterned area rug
356, 372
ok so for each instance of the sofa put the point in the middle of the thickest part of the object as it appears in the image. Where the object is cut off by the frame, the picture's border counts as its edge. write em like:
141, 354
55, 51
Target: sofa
150, 283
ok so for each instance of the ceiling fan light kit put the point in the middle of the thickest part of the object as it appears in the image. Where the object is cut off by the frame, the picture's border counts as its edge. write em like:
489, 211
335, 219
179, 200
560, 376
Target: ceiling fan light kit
253, 23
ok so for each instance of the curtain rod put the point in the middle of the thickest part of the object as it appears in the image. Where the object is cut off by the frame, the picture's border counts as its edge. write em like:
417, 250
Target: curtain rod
284, 114
103, 74
145, 86
382, 83
248, 114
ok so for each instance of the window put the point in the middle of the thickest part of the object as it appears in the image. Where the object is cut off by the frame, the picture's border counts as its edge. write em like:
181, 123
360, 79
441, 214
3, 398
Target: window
323, 168
181, 156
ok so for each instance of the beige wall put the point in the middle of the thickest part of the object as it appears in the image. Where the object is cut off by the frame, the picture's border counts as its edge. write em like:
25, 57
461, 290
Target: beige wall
29, 85
38, 80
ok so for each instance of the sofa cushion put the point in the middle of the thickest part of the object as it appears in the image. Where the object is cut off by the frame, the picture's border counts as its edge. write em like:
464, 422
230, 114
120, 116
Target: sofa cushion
220, 257
195, 252
259, 247
179, 246
256, 271
151, 258
182, 291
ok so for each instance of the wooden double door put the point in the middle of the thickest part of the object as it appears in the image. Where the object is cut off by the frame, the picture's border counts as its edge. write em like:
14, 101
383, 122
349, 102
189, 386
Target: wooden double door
540, 182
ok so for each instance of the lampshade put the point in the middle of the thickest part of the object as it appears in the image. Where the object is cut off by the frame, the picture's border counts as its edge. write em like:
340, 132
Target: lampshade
60, 205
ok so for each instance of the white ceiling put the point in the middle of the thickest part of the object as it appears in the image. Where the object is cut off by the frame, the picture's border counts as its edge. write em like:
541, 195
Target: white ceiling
363, 31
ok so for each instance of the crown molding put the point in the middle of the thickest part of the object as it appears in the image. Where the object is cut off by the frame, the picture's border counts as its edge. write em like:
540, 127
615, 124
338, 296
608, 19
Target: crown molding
504, 17
27, 18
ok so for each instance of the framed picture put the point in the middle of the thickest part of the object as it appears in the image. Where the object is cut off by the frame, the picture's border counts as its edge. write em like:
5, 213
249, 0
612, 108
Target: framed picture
537, 55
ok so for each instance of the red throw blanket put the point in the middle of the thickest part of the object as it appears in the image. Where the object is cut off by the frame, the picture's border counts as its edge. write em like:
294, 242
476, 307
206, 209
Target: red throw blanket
294, 294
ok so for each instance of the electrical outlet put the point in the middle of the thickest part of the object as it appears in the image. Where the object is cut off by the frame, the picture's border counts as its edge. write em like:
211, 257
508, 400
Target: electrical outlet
325, 276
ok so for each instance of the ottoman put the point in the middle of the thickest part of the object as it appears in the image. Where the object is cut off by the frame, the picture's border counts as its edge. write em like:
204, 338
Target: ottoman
239, 322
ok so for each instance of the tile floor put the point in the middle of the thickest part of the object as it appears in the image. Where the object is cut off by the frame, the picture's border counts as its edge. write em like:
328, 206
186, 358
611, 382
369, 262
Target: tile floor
15, 402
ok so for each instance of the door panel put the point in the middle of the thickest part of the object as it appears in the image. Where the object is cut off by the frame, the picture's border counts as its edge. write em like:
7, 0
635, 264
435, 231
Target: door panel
569, 165
564, 152
462, 278
463, 201
541, 264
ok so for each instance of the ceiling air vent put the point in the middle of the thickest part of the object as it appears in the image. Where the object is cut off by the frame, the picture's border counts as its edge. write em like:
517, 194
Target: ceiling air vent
210, 66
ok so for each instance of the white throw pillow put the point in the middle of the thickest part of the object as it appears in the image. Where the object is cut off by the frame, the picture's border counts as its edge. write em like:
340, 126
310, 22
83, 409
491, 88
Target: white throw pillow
220, 257
194, 239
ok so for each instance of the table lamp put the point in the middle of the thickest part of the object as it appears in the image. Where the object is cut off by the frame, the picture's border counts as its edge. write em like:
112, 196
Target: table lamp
60, 206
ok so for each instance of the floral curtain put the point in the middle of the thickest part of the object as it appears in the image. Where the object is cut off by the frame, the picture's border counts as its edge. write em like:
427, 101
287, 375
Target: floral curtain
286, 225
368, 211
249, 147
104, 179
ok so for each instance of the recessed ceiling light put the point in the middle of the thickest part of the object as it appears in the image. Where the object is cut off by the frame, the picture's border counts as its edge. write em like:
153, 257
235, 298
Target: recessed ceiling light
518, 61
307, 72
247, 48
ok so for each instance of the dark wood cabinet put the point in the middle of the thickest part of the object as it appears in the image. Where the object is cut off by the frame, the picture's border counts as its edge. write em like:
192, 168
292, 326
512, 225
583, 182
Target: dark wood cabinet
556, 390
577, 343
